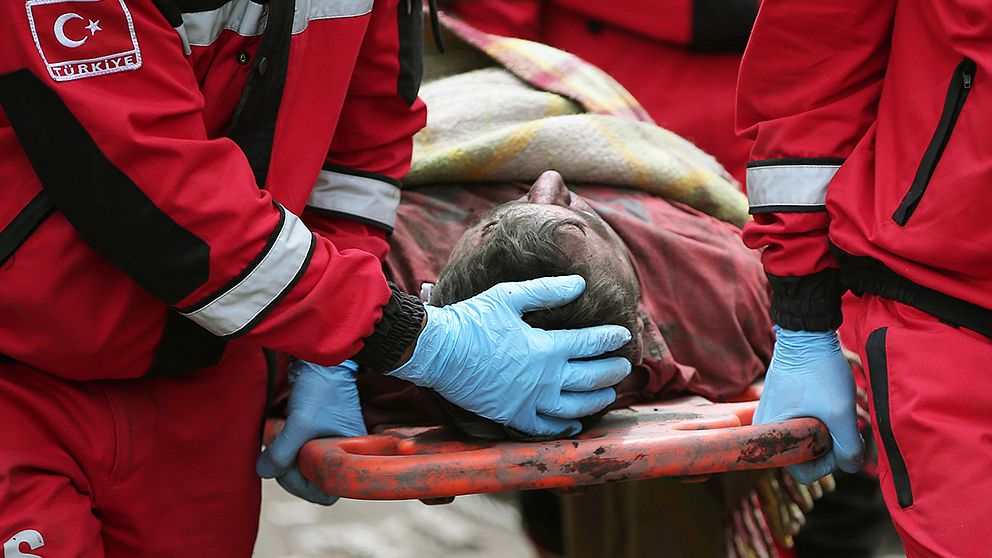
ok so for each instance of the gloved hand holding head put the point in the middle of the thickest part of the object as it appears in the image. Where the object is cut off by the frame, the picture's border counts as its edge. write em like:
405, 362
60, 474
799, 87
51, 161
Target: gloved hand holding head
550, 232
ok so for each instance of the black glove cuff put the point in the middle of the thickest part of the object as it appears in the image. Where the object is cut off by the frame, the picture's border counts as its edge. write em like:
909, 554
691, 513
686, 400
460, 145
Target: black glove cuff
402, 318
807, 303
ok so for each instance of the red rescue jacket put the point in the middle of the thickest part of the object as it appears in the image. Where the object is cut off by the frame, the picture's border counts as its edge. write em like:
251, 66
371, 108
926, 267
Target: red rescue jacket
871, 125
209, 166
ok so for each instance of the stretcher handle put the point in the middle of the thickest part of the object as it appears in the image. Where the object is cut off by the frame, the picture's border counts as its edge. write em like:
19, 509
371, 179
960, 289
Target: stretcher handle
425, 463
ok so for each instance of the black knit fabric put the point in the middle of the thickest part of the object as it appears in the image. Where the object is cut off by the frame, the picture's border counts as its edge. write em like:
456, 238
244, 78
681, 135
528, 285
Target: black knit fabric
808, 303
867, 275
401, 322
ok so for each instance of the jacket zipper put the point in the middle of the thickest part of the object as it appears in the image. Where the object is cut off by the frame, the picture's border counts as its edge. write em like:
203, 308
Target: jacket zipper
961, 83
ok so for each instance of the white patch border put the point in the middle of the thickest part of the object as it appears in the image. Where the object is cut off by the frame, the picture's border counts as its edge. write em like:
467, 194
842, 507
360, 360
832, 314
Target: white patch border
37, 43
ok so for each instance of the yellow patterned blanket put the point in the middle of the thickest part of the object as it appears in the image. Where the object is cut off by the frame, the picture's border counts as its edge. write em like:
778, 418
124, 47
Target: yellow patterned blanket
504, 109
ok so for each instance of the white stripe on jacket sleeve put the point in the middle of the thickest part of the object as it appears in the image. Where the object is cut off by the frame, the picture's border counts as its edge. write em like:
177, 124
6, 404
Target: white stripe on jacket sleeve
236, 308
786, 187
360, 196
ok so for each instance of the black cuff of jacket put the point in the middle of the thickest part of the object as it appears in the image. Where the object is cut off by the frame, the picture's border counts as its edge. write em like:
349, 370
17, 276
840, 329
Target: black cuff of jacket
402, 318
807, 303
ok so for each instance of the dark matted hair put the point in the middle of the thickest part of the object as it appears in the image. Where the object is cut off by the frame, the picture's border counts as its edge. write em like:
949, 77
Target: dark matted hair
521, 246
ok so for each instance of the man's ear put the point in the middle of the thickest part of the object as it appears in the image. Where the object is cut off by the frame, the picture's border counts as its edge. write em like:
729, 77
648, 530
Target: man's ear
425, 292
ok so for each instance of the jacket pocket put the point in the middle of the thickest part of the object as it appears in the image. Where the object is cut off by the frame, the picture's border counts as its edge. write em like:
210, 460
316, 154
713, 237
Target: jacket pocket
878, 372
957, 93
411, 55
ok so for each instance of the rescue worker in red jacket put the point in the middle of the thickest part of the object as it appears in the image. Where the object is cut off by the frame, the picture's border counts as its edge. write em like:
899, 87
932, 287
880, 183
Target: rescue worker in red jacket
185, 183
679, 58
870, 122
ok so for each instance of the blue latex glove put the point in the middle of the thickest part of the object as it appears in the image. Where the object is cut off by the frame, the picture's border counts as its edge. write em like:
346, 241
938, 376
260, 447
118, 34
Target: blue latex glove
480, 355
323, 403
809, 376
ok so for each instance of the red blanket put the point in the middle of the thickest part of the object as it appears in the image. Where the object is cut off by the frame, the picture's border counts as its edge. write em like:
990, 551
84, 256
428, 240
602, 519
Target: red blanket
704, 300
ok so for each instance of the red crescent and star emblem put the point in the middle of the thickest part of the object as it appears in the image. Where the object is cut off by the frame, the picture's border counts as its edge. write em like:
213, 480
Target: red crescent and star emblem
83, 38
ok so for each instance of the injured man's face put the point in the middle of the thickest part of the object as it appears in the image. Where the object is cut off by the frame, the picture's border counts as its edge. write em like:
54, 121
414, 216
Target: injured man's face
548, 232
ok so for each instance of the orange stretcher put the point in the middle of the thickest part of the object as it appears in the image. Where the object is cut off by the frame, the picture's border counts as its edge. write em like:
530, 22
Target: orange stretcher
683, 437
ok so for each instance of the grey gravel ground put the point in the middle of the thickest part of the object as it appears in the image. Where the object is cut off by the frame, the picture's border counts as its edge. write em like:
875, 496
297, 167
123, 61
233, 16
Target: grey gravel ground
471, 526
476, 526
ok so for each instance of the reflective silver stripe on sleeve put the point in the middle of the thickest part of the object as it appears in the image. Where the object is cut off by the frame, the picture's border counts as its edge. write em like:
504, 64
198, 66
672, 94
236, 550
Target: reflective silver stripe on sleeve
364, 197
247, 17
184, 38
238, 306
244, 17
788, 186
309, 10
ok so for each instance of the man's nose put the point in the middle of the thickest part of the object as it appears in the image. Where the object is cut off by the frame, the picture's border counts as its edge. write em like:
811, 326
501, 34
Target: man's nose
549, 189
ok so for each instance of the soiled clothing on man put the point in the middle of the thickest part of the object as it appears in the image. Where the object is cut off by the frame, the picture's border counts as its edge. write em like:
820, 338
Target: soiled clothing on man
703, 303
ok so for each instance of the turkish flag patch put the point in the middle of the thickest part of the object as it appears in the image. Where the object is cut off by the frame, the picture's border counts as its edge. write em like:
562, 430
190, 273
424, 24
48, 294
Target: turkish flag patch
83, 38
